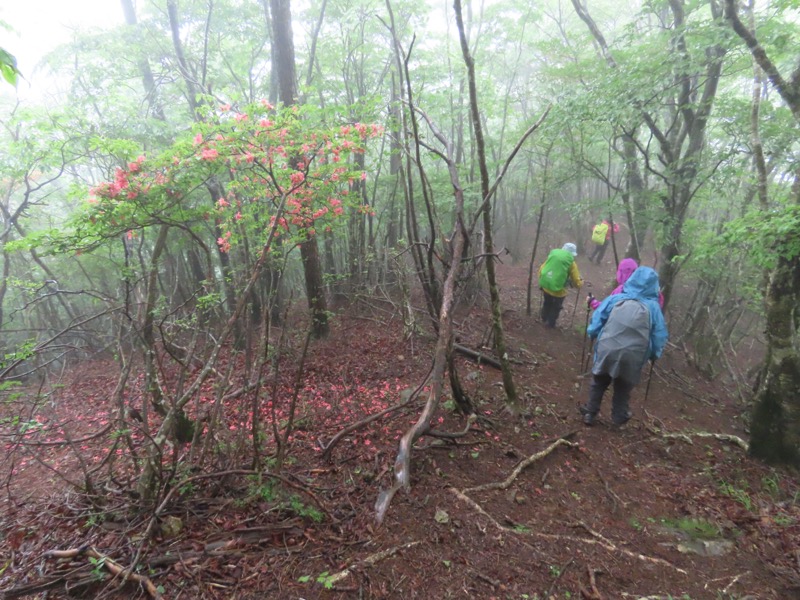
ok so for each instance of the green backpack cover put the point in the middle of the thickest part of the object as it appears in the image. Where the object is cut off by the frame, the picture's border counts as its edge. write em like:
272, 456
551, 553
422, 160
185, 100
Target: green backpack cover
555, 272
599, 233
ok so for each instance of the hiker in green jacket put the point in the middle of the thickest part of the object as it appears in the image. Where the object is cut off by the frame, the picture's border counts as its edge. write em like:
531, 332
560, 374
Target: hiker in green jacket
601, 236
559, 268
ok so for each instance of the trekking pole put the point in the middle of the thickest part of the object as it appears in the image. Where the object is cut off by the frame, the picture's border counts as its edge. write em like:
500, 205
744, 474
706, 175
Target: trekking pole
585, 330
647, 387
574, 308
588, 357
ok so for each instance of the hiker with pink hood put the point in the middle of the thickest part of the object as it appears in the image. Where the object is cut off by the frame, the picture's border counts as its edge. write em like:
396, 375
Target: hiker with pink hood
625, 269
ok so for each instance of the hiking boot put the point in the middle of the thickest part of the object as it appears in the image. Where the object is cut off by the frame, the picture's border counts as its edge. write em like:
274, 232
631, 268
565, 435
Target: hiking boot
624, 420
588, 417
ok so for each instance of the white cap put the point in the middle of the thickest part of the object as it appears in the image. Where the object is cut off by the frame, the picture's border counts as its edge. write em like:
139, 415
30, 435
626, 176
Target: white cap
571, 248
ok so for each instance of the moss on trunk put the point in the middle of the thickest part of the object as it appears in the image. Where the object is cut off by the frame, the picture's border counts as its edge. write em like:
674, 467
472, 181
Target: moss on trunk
775, 429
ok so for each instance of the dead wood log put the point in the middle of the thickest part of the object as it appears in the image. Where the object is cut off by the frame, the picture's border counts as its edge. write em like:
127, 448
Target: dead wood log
477, 356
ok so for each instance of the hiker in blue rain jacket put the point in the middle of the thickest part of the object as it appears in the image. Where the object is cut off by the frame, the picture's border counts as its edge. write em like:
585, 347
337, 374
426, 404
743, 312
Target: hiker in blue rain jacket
629, 328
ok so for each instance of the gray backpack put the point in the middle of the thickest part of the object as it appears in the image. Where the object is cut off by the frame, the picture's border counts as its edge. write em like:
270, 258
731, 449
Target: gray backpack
623, 345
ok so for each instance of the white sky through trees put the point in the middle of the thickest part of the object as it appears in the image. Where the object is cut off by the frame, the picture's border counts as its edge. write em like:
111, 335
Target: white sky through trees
38, 26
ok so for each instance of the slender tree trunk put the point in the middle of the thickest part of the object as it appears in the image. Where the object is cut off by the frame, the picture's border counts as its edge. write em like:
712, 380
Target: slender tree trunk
144, 65
497, 320
532, 263
315, 290
148, 320
284, 71
635, 206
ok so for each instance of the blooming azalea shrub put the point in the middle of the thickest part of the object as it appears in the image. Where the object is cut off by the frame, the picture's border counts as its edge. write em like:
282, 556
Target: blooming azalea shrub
273, 173
283, 173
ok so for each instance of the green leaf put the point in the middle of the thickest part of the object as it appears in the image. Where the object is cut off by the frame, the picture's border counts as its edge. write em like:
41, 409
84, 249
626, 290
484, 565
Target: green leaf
8, 67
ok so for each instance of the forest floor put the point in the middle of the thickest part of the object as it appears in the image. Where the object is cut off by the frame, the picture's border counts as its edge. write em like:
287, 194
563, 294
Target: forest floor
655, 509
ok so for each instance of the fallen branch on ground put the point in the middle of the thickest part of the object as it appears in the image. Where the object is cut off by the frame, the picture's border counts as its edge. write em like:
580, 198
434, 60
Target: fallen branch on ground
481, 359
82, 440
502, 485
367, 562
734, 580
33, 588
722, 437
116, 569
218, 474
677, 379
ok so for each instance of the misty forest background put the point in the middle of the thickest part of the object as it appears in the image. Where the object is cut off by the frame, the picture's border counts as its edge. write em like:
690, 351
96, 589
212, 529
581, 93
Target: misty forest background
193, 174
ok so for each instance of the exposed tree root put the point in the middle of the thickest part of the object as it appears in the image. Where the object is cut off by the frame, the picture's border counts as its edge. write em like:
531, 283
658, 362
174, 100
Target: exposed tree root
479, 509
722, 437
596, 538
615, 500
561, 572
367, 562
733, 582
109, 564
608, 545
592, 593
502, 528
502, 485
449, 435
614, 548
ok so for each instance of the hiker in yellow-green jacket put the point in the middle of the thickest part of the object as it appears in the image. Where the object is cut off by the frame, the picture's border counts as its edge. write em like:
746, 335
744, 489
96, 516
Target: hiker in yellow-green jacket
601, 235
559, 268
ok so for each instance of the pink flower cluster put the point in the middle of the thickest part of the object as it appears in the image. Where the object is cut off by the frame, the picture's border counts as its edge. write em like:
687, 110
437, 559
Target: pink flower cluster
224, 242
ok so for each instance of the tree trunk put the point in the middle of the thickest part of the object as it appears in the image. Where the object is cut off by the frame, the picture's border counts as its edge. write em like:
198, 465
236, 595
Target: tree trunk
144, 65
633, 197
775, 429
315, 291
488, 245
284, 70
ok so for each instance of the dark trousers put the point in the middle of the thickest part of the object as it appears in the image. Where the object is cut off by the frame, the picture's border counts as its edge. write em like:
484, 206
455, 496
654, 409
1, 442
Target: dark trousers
551, 308
620, 412
599, 252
